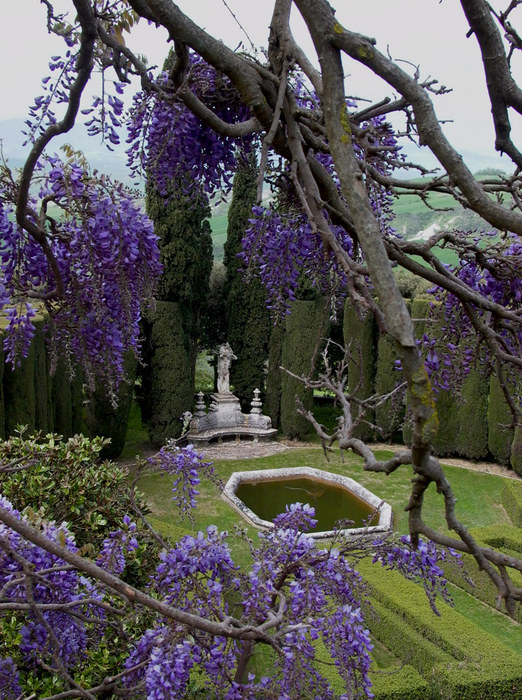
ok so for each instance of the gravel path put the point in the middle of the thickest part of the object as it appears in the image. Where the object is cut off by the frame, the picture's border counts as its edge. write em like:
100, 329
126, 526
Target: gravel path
252, 450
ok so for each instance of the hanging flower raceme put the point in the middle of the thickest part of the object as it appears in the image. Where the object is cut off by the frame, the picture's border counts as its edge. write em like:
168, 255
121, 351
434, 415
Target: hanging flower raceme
284, 251
497, 279
107, 256
168, 142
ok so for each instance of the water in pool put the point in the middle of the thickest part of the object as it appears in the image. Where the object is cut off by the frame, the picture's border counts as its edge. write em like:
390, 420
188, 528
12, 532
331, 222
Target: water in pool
332, 503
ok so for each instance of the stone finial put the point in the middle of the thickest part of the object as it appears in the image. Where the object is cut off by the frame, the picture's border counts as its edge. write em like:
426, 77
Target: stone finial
256, 403
201, 409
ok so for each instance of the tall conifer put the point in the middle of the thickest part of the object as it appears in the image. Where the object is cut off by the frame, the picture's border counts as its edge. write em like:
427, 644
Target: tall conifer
248, 318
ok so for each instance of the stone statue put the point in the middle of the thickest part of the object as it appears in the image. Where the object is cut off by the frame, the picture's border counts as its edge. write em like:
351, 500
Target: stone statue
225, 358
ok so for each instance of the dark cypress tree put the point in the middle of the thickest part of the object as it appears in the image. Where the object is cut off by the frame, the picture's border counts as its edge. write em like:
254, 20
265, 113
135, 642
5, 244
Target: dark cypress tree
181, 222
19, 394
248, 318
304, 328
42, 381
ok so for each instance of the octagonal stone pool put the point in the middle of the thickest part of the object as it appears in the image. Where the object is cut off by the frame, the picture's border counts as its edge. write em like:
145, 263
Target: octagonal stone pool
258, 496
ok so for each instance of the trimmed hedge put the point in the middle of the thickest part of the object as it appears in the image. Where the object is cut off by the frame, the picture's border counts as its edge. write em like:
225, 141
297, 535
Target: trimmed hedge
512, 500
62, 401
272, 406
19, 394
30, 396
500, 435
303, 328
167, 386
389, 416
516, 451
408, 644
472, 413
509, 540
42, 381
480, 667
361, 334
399, 684
103, 419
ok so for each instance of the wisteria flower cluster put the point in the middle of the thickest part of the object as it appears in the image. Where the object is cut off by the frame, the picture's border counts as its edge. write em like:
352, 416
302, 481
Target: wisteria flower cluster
187, 466
9, 679
280, 245
55, 91
420, 564
116, 546
49, 633
168, 142
498, 280
283, 250
298, 591
107, 255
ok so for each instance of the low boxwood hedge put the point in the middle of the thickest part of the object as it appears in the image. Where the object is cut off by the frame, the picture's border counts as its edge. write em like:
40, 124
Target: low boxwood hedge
408, 644
509, 540
480, 667
399, 684
512, 500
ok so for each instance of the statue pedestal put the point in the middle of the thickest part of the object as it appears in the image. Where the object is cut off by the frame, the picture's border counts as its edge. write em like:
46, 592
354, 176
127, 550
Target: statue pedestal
225, 420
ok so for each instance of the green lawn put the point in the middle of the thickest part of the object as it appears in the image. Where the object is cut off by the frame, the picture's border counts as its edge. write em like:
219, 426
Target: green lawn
478, 495
478, 504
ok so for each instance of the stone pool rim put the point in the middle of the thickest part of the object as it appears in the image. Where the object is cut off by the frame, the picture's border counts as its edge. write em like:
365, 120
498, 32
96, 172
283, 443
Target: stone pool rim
384, 517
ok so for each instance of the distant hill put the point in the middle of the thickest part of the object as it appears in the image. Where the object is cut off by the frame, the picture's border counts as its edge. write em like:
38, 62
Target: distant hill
413, 218
97, 154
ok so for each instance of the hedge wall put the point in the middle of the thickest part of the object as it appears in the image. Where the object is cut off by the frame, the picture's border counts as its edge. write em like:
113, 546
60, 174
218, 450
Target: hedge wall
389, 416
42, 382
272, 405
30, 396
512, 500
399, 684
472, 414
500, 435
303, 328
167, 387
62, 400
516, 451
361, 335
504, 537
103, 419
19, 394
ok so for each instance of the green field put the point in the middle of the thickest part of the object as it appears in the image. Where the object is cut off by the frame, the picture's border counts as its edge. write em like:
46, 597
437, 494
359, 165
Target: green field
218, 224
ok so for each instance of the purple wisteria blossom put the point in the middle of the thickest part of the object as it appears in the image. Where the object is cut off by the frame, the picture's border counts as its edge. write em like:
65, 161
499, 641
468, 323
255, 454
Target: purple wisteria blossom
187, 466
419, 564
116, 546
9, 679
107, 257
168, 142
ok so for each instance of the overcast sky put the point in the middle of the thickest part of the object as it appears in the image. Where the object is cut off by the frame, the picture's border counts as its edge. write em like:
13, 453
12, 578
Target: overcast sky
428, 33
